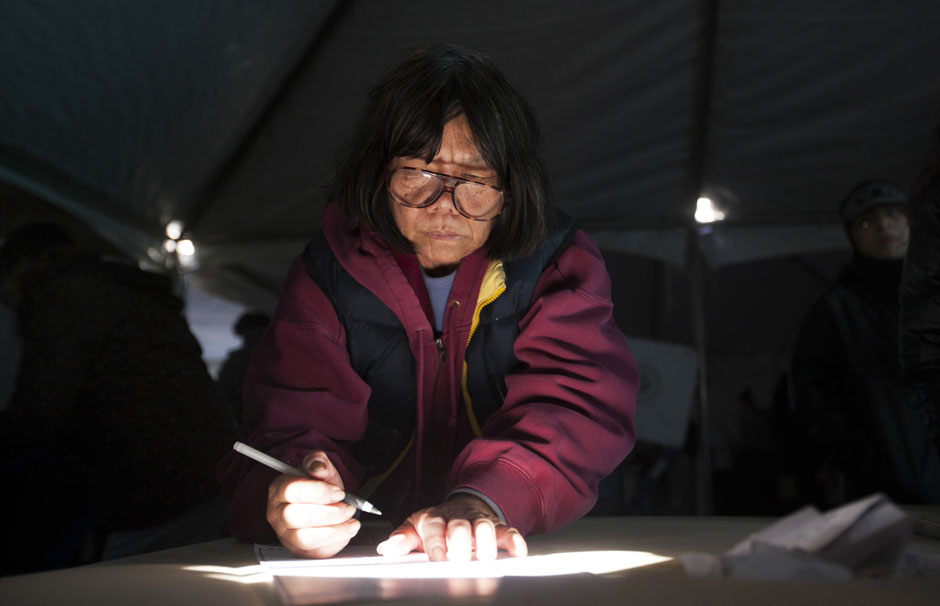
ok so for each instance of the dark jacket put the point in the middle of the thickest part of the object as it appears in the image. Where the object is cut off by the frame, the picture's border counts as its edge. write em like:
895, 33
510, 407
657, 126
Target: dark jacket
849, 392
920, 290
920, 308
112, 383
565, 422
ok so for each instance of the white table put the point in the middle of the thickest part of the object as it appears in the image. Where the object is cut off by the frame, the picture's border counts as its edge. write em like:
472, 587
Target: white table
207, 573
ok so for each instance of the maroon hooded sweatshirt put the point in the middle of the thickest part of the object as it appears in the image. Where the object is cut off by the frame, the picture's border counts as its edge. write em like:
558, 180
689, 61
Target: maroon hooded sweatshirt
566, 422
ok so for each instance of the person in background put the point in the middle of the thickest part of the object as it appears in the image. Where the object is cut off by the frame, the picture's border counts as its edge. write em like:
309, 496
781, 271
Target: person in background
249, 326
847, 389
446, 346
920, 298
114, 428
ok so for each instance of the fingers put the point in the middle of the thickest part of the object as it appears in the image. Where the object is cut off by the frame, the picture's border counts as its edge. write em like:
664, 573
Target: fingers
305, 527
312, 491
407, 538
304, 515
511, 540
290, 489
485, 539
318, 465
403, 541
307, 513
455, 539
484, 536
298, 503
459, 547
313, 530
319, 542
433, 533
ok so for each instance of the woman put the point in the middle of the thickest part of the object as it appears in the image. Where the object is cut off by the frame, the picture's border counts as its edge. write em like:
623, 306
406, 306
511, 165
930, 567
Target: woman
445, 348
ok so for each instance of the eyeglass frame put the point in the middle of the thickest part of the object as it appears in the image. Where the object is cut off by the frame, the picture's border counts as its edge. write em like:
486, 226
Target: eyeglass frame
444, 178
879, 213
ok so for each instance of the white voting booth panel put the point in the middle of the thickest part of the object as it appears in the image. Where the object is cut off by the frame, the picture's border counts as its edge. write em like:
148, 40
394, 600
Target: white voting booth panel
667, 385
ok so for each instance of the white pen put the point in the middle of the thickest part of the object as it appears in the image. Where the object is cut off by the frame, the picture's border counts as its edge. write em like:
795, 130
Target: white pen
281, 466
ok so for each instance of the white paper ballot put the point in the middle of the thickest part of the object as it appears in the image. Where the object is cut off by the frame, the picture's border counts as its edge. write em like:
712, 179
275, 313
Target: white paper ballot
359, 576
864, 538
279, 562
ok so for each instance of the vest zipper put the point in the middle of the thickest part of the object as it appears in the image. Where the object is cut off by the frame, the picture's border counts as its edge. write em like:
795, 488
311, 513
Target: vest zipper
434, 415
442, 356
468, 402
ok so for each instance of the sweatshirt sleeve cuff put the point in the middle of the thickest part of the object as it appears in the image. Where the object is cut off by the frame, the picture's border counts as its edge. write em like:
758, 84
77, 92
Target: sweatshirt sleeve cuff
482, 497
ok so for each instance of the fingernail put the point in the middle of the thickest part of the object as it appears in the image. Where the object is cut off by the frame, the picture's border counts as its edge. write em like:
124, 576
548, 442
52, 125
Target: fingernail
337, 495
437, 553
388, 545
316, 466
354, 526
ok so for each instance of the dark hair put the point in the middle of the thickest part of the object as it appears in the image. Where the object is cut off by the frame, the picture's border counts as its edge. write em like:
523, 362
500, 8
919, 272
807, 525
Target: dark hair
405, 116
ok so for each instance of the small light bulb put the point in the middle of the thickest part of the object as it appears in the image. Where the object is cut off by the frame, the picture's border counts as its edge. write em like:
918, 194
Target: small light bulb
706, 212
174, 229
185, 248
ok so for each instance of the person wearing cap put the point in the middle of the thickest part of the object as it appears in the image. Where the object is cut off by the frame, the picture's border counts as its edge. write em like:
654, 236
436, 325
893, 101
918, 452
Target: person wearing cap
863, 433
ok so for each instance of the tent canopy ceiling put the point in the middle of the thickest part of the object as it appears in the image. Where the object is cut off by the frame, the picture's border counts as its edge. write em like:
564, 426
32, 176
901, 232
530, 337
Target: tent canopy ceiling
229, 115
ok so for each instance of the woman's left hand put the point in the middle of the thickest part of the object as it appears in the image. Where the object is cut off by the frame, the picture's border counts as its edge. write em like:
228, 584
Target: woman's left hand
454, 530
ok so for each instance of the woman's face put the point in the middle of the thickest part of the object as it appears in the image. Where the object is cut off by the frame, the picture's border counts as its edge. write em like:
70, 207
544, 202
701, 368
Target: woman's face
441, 236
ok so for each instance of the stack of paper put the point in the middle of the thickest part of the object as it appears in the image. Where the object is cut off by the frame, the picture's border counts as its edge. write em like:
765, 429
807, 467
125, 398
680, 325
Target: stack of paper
863, 538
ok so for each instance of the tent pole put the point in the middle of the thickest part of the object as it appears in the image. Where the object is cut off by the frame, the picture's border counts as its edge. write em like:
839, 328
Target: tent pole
692, 188
703, 459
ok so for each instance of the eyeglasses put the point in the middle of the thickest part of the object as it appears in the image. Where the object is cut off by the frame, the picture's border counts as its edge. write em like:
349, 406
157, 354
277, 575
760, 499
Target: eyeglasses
416, 188
878, 214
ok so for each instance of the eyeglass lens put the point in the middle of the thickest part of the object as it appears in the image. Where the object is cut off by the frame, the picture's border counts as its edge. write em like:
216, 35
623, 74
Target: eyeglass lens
876, 215
418, 188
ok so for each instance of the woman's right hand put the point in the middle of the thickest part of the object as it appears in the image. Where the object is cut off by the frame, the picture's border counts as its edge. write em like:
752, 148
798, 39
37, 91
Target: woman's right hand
308, 515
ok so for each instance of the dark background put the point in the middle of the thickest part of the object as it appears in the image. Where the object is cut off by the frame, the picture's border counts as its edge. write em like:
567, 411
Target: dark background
117, 117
